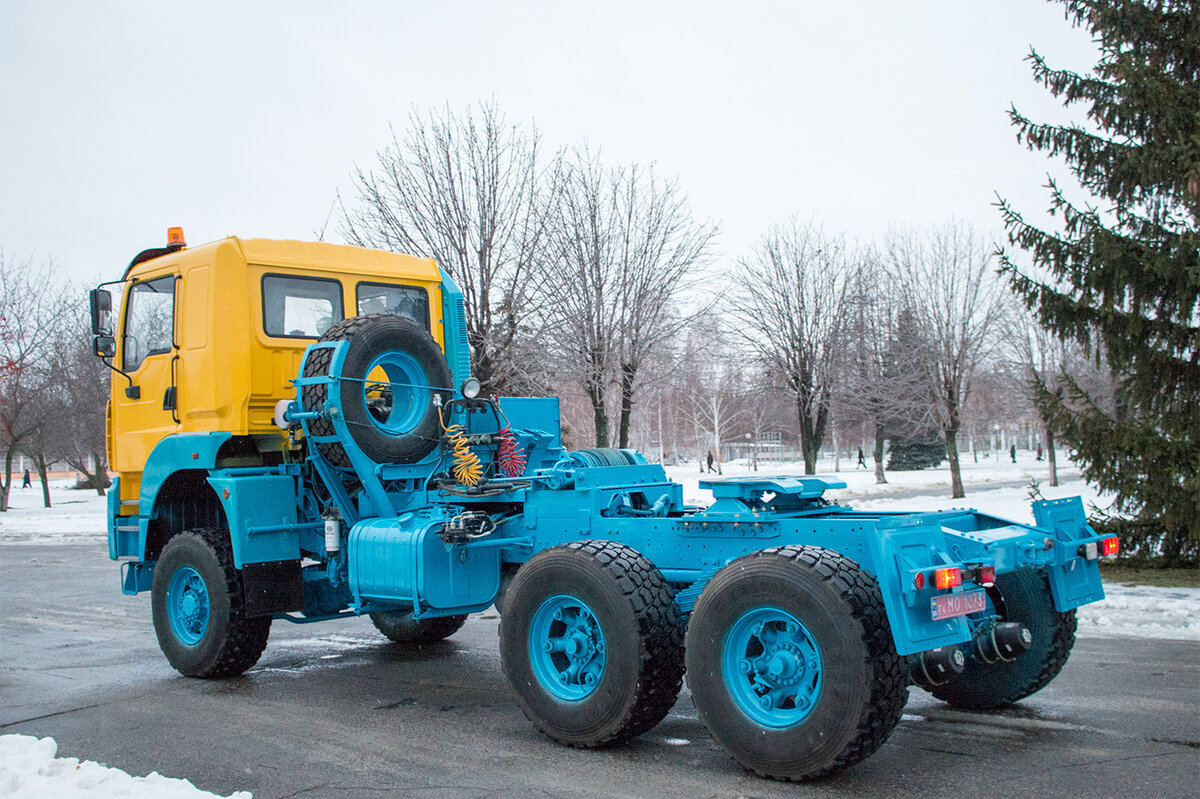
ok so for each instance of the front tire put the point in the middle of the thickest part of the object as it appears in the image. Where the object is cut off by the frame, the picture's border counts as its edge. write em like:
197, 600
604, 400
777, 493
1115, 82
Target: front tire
198, 608
1025, 598
791, 662
400, 626
591, 642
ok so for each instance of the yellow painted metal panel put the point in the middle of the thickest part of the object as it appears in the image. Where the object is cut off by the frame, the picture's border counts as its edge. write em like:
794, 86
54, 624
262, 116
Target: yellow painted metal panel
228, 372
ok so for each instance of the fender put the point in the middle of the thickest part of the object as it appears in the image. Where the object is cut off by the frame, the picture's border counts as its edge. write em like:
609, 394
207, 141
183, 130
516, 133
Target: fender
173, 453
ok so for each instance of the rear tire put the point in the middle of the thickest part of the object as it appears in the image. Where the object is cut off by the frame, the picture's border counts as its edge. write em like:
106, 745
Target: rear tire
402, 628
1027, 600
198, 608
591, 642
791, 662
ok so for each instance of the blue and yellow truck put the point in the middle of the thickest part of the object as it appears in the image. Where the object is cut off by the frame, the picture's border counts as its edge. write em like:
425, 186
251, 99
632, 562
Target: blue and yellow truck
297, 437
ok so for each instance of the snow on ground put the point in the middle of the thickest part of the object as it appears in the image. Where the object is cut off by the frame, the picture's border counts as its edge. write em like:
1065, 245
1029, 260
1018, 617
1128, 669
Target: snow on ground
74, 516
29, 769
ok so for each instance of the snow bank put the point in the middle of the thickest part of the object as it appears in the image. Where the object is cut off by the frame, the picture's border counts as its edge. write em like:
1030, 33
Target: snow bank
29, 769
1137, 611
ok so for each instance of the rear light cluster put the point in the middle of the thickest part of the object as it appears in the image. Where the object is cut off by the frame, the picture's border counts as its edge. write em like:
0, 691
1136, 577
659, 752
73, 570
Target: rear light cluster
947, 578
951, 576
1106, 547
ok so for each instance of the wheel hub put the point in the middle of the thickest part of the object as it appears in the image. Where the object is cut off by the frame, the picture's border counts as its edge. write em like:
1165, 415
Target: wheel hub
772, 667
188, 605
566, 647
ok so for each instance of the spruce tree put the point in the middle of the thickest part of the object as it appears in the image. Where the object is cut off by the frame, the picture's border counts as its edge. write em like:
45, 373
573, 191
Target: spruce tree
1120, 270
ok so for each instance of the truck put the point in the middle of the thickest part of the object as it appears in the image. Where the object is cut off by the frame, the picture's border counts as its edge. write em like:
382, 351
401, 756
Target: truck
297, 437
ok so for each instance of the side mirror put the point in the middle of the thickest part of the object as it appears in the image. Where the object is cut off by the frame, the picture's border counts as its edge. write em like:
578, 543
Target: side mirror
100, 301
104, 347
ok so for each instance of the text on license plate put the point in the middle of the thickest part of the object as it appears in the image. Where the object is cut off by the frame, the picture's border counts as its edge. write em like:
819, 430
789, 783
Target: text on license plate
948, 606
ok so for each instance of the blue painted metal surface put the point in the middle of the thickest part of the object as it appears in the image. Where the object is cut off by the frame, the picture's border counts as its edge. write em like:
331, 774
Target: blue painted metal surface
390, 553
178, 452
188, 605
454, 330
772, 667
261, 508
404, 561
566, 648
1074, 581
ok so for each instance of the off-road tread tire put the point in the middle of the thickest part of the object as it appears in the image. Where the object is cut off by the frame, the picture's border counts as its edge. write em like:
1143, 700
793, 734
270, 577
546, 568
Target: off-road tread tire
660, 627
313, 397
400, 627
1009, 683
245, 638
889, 678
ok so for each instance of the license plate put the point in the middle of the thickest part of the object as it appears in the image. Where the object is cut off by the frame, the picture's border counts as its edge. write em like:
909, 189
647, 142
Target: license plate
948, 606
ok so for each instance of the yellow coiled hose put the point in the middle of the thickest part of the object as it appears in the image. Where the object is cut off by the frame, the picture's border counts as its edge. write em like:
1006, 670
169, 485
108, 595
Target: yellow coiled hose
467, 469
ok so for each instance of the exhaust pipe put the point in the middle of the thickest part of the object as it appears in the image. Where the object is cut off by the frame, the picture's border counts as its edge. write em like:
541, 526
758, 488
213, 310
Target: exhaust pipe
1005, 641
936, 666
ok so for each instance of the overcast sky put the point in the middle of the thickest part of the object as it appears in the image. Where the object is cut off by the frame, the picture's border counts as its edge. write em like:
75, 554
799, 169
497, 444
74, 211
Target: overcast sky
119, 120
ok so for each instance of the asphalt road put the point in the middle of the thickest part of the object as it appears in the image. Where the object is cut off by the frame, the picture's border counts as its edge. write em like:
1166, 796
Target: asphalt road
335, 710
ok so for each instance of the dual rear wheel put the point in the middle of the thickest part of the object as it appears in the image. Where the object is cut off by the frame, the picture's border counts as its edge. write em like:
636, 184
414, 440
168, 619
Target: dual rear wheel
789, 656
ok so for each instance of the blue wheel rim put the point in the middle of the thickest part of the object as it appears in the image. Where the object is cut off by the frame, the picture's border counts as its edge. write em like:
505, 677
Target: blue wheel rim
410, 390
772, 667
188, 605
566, 648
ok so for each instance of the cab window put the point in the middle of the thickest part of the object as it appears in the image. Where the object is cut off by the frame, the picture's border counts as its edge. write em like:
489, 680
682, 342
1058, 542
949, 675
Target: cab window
401, 300
149, 321
300, 307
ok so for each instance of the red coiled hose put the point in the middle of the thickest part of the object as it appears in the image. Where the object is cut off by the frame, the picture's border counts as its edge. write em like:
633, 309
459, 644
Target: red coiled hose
509, 453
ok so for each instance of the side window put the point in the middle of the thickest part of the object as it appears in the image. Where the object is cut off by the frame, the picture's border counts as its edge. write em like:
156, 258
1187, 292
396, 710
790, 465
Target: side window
300, 307
149, 321
402, 300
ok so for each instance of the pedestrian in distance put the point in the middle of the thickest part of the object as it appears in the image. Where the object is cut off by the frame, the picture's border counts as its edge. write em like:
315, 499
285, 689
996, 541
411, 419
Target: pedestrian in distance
861, 460
1039, 452
710, 461
1012, 452
26, 482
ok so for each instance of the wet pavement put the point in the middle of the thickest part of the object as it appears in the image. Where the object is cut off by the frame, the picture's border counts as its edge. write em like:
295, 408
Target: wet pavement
333, 709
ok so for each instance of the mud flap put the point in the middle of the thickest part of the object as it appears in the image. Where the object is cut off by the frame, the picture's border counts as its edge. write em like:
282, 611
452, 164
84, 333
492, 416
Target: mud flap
1074, 580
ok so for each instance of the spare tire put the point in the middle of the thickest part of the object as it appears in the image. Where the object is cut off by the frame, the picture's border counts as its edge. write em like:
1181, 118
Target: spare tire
392, 371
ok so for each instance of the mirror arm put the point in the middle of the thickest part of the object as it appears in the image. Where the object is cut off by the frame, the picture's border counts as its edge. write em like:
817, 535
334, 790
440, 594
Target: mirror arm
125, 375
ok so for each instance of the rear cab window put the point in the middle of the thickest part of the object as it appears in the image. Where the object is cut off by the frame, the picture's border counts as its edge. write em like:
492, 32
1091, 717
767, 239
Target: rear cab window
409, 301
300, 307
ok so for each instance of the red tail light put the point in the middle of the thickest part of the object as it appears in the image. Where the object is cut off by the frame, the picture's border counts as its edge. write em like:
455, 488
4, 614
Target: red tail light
987, 575
919, 581
947, 578
1110, 546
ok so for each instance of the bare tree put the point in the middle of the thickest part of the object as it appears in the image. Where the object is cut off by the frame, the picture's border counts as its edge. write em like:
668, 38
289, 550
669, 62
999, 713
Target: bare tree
475, 194
945, 280
714, 388
878, 386
791, 307
660, 248
627, 250
30, 316
582, 289
80, 391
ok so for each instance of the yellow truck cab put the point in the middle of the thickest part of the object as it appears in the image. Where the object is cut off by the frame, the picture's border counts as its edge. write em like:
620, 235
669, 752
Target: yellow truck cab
208, 339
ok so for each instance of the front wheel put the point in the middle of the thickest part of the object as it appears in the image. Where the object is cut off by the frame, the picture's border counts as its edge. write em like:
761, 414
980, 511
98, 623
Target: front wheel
198, 608
791, 662
591, 642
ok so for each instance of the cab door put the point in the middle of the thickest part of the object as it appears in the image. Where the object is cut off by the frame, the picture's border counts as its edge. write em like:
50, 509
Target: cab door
144, 413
